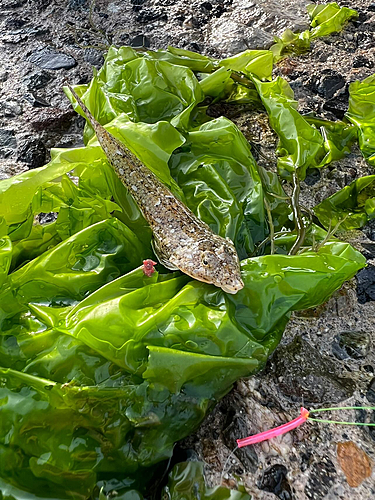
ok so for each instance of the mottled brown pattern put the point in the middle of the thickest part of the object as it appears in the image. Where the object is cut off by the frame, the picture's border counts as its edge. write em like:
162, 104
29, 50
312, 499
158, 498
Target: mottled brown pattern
181, 240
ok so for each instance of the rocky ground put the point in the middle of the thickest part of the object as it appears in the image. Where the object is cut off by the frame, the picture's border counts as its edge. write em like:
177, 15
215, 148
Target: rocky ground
327, 355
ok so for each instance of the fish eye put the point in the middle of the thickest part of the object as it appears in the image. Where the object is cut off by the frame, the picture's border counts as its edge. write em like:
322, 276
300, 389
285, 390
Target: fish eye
208, 258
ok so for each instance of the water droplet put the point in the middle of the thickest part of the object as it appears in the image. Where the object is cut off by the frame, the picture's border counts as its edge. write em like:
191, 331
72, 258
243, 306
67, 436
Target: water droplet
277, 278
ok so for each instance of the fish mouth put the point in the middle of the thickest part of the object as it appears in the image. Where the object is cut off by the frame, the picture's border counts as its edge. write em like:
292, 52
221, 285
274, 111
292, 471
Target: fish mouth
232, 289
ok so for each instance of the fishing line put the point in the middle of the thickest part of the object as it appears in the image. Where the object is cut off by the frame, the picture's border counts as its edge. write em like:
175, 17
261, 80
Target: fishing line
226, 463
303, 417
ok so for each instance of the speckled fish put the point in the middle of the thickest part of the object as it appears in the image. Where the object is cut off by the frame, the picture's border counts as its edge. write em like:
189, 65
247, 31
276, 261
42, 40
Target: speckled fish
180, 240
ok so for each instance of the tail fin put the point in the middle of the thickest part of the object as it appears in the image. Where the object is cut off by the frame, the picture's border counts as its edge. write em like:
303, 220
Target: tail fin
88, 114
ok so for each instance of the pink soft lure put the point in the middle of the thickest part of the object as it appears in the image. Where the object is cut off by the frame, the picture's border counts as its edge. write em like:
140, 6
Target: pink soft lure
277, 431
148, 267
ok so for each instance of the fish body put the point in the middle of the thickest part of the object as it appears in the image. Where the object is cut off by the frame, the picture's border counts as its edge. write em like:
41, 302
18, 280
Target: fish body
180, 240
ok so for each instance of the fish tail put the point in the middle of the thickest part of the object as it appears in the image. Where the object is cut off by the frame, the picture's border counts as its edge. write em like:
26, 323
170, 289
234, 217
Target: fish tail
94, 123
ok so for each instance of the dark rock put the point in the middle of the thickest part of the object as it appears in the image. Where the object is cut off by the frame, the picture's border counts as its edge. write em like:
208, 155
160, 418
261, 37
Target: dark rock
37, 80
330, 84
33, 153
369, 250
365, 39
94, 57
369, 230
368, 369
370, 394
338, 105
148, 16
8, 142
140, 41
312, 177
15, 23
52, 118
321, 479
77, 4
49, 58
235, 427
366, 284
351, 344
362, 62
303, 372
37, 101
4, 76
371, 7
306, 460
274, 480
218, 10
137, 4
47, 218
194, 47
327, 83
206, 5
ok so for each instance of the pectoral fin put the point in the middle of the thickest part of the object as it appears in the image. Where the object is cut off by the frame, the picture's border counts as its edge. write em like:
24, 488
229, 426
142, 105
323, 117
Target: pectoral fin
161, 257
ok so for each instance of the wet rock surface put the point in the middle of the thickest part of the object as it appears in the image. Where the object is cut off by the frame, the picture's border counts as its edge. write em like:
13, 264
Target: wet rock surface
326, 357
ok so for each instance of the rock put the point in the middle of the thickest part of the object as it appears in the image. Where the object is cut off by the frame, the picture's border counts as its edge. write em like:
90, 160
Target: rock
149, 16
327, 83
137, 4
94, 57
235, 427
330, 84
49, 58
139, 41
338, 105
303, 372
322, 477
312, 177
8, 142
370, 395
251, 24
231, 38
362, 62
351, 344
33, 153
51, 118
37, 80
77, 4
366, 284
37, 101
206, 5
354, 462
274, 480
47, 218
369, 250
10, 108
3, 75
15, 37
369, 230
12, 4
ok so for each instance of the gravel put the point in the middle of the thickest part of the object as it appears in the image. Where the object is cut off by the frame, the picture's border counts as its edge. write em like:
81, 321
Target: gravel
326, 355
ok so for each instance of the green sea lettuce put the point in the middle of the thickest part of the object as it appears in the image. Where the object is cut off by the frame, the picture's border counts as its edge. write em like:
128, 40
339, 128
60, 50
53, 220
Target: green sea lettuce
361, 113
351, 207
325, 19
103, 369
186, 481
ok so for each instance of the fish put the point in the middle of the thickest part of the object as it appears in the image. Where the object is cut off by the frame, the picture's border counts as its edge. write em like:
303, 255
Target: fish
181, 241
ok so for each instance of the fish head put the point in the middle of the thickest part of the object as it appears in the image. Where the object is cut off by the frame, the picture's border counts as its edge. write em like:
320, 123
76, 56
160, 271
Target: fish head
213, 261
